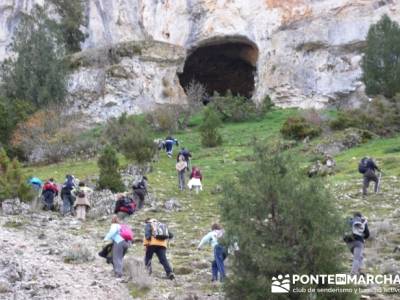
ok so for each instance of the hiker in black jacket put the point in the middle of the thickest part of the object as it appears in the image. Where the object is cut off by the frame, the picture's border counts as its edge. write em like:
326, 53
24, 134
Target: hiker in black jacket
370, 175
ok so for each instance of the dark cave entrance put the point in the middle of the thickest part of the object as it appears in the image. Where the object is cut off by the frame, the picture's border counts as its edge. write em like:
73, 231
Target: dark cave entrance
222, 66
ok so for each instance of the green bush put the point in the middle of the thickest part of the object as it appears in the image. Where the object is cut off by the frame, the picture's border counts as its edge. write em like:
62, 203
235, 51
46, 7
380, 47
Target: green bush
299, 128
132, 137
12, 183
210, 137
279, 230
236, 108
109, 178
380, 116
164, 118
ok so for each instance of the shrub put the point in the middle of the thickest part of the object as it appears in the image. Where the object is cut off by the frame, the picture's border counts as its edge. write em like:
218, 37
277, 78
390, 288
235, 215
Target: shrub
380, 116
234, 108
164, 118
51, 136
210, 137
299, 128
77, 253
12, 184
381, 64
109, 178
278, 229
131, 137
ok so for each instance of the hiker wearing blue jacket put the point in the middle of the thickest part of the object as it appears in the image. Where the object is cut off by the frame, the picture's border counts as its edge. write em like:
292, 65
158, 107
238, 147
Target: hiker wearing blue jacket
169, 144
212, 238
119, 248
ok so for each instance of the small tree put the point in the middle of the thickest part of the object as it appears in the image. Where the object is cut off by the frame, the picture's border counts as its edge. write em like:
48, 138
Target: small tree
284, 223
37, 73
210, 137
72, 13
109, 178
381, 62
12, 184
131, 137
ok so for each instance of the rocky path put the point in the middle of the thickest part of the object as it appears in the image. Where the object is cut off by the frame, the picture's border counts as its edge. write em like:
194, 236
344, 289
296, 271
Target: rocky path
383, 213
45, 256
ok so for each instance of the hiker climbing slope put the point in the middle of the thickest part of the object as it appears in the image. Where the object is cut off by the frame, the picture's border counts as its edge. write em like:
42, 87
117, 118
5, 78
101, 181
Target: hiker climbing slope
368, 167
355, 240
156, 235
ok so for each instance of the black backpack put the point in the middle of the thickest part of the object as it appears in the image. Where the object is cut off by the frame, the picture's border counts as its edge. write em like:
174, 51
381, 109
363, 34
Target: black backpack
362, 166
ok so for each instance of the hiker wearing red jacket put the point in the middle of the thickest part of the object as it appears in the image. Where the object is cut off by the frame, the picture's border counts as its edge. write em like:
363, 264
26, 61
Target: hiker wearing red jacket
195, 180
49, 191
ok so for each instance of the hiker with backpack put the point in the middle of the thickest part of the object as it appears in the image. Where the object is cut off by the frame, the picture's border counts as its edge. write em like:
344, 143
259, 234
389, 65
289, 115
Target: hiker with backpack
156, 235
67, 195
35, 183
49, 192
195, 180
121, 236
219, 252
355, 240
140, 191
180, 167
367, 167
169, 144
186, 155
125, 206
82, 203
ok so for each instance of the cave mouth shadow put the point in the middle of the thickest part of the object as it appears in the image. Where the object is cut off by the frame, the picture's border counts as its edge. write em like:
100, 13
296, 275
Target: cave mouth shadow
222, 66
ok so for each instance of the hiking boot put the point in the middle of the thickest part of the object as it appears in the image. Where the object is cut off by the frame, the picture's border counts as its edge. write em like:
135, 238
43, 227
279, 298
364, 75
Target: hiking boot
171, 276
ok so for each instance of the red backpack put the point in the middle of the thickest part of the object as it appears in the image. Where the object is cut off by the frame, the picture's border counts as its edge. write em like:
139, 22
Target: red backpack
126, 232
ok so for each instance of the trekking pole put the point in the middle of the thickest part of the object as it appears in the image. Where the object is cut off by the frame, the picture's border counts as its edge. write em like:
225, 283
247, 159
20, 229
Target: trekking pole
379, 182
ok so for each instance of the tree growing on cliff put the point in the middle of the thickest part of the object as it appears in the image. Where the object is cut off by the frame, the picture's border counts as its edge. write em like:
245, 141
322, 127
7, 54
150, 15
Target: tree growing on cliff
109, 178
381, 62
37, 73
284, 223
72, 13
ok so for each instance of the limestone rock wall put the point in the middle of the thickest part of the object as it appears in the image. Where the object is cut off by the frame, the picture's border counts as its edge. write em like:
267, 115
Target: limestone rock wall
309, 51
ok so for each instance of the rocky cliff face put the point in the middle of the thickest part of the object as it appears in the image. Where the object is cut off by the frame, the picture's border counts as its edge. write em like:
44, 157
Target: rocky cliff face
304, 52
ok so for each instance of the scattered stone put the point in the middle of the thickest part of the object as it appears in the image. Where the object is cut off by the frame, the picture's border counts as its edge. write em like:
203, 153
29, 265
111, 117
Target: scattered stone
5, 287
14, 207
172, 204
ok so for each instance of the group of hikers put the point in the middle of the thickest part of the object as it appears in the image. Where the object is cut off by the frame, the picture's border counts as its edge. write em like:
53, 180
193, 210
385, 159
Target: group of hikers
74, 196
156, 234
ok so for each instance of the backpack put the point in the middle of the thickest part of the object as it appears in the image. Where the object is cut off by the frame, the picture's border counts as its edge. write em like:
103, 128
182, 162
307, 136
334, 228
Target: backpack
81, 193
159, 230
355, 226
126, 232
48, 187
362, 166
128, 206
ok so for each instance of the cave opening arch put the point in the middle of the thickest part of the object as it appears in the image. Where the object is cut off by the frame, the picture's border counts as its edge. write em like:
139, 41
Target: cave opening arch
221, 64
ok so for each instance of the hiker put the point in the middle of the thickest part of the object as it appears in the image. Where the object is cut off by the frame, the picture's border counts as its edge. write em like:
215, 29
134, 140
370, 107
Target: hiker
355, 240
36, 183
195, 180
140, 191
219, 252
181, 166
125, 206
120, 245
67, 195
368, 167
169, 144
186, 155
50, 191
156, 235
82, 203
